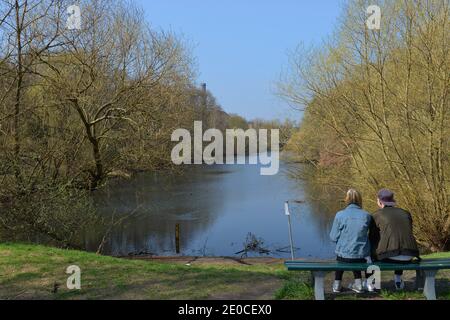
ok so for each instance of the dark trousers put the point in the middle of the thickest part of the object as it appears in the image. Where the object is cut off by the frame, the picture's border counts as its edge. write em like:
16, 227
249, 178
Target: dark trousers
397, 272
356, 274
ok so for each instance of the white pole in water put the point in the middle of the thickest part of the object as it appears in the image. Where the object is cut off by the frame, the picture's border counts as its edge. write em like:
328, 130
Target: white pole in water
286, 211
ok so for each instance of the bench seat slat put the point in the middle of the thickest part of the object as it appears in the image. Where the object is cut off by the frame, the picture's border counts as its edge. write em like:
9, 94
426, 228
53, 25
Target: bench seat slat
429, 264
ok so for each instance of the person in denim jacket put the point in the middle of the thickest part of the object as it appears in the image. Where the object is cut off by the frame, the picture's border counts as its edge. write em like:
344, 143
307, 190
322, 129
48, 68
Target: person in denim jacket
350, 232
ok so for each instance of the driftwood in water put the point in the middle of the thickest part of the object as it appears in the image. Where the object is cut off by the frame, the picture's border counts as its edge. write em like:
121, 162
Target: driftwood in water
253, 244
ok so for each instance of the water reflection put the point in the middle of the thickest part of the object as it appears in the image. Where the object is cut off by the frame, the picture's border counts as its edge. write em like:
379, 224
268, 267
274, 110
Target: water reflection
216, 207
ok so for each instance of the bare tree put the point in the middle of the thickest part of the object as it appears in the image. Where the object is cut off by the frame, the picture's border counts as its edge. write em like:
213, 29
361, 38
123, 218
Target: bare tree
107, 71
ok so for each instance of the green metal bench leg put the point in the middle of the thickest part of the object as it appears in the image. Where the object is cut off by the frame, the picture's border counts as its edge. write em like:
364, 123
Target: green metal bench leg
319, 292
420, 278
429, 289
311, 279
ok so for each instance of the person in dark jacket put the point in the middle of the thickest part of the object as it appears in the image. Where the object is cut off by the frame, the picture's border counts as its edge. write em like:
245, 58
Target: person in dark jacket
391, 234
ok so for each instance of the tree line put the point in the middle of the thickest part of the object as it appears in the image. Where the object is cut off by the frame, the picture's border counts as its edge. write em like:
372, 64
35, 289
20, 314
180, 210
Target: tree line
376, 109
78, 107
81, 106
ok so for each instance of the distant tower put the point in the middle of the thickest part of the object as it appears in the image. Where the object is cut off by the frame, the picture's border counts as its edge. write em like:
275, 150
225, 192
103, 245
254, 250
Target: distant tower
204, 103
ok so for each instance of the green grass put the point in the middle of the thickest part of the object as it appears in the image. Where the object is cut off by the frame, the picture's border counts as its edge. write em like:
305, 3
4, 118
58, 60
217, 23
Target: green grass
295, 290
31, 272
401, 295
438, 255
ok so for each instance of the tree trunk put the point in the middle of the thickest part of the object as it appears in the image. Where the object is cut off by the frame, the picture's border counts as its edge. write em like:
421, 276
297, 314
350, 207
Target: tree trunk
98, 175
18, 95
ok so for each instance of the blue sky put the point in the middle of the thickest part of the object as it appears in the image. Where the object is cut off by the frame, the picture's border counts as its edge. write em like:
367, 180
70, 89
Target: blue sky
241, 46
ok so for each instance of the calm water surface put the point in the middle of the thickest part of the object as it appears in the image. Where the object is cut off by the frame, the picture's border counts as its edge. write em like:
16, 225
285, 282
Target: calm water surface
216, 208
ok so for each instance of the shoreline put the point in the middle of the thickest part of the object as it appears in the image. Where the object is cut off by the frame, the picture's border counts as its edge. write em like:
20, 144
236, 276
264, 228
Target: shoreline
223, 260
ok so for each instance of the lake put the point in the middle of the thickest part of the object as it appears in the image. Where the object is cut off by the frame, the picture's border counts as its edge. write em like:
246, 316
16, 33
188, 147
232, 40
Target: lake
217, 208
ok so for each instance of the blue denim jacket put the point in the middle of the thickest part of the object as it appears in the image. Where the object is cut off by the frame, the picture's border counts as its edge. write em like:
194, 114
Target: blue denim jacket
350, 232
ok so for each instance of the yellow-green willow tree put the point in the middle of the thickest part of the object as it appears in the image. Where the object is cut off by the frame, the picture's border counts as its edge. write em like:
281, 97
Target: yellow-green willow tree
384, 96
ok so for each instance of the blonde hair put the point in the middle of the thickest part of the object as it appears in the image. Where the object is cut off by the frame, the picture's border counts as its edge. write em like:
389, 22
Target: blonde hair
353, 197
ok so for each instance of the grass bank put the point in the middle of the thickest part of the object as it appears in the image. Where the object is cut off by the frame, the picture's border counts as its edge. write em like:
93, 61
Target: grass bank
38, 272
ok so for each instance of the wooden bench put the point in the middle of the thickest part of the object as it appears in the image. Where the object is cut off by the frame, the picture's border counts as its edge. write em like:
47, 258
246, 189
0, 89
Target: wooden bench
425, 270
